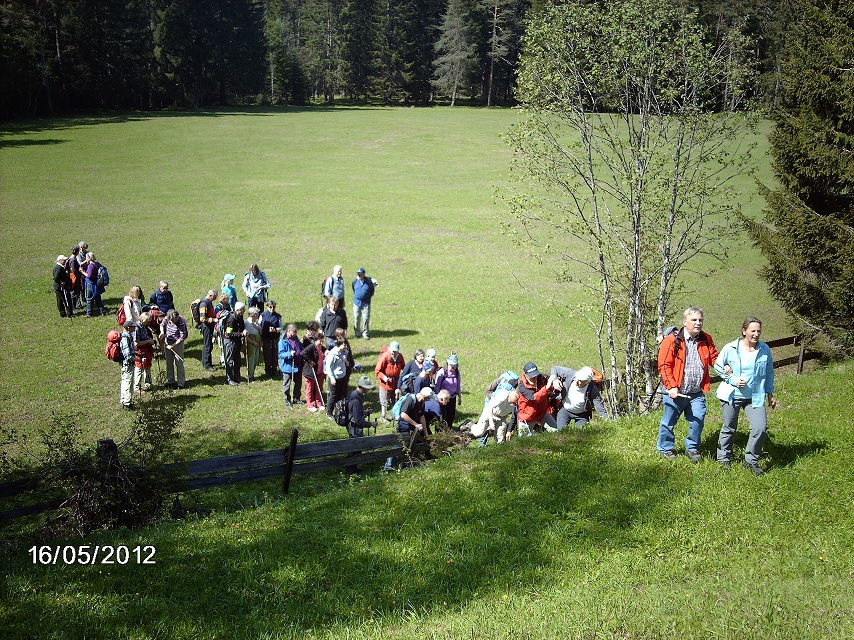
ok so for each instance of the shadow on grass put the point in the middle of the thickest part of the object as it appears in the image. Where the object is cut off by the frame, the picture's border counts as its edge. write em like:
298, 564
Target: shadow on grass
6, 144
372, 551
781, 455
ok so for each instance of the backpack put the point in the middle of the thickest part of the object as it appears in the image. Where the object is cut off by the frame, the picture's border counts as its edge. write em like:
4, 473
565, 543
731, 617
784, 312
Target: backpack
222, 318
323, 293
395, 410
341, 413
194, 311
113, 350
407, 383
121, 316
103, 276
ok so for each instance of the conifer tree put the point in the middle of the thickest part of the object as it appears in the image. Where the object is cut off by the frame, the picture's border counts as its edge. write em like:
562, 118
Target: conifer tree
808, 232
456, 51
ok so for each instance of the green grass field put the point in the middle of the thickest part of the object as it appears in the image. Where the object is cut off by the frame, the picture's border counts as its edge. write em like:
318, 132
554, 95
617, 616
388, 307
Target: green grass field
583, 535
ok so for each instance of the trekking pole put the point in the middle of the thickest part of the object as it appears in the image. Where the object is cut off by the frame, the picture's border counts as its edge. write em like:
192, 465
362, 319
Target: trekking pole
319, 390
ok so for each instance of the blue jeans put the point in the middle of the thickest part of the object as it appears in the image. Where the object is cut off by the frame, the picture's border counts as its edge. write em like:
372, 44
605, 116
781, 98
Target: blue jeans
694, 408
93, 298
363, 314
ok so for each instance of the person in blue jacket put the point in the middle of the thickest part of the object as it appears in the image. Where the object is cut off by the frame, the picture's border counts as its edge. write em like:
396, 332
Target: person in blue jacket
747, 370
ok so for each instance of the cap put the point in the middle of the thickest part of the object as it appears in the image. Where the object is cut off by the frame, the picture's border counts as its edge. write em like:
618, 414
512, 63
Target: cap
365, 382
428, 366
61, 257
228, 276
585, 374
360, 271
431, 353
426, 393
453, 361
531, 370
394, 346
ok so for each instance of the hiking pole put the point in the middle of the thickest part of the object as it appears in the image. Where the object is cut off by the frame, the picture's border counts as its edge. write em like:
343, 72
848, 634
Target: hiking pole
319, 390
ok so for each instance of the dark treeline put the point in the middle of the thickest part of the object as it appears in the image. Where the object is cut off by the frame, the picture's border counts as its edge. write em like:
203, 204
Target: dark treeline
58, 56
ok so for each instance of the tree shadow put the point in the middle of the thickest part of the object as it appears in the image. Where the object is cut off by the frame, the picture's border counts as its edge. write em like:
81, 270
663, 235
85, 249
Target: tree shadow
5, 144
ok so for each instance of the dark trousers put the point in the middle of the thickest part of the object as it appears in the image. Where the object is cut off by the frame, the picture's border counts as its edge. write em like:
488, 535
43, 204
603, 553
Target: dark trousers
270, 347
231, 351
207, 344
337, 392
449, 412
63, 303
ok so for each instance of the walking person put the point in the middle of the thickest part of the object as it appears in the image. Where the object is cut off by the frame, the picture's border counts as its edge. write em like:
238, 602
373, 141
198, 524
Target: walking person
253, 342
750, 380
173, 335
684, 358
232, 341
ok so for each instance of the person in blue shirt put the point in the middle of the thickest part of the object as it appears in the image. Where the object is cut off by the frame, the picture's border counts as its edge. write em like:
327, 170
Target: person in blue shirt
363, 291
747, 372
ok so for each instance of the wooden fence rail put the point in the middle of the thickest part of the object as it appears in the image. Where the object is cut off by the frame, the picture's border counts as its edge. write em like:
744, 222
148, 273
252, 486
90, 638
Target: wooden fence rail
225, 471
295, 458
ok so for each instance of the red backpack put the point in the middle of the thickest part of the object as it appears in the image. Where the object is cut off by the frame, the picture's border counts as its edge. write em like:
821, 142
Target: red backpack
121, 316
113, 350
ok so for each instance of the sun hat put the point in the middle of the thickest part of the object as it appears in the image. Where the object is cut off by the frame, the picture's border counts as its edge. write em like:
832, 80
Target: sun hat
228, 276
394, 346
365, 382
431, 353
426, 393
60, 258
453, 361
585, 374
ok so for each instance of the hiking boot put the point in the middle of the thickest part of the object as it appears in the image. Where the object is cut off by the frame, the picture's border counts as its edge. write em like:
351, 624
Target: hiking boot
725, 464
694, 456
667, 455
754, 468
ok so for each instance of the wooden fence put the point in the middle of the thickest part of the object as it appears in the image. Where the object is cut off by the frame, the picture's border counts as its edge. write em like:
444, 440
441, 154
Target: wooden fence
295, 458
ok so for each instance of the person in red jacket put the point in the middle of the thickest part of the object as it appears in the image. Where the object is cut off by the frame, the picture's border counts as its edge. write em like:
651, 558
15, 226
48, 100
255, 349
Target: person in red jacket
534, 407
389, 366
684, 358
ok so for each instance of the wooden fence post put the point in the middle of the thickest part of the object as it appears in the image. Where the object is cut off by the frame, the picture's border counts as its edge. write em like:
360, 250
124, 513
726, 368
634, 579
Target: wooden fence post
289, 460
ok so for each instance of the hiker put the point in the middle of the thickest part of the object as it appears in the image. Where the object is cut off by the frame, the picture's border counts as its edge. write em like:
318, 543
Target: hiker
579, 395
255, 286
207, 327
412, 421
389, 365
497, 416
229, 289
415, 365
253, 341
363, 291
357, 417
271, 331
534, 401
72, 267
684, 358
745, 385
423, 380
162, 298
143, 343
433, 407
332, 317
62, 287
507, 380
173, 336
223, 307
234, 331
132, 303
290, 363
312, 371
448, 378
337, 369
431, 356
334, 286
127, 372
92, 290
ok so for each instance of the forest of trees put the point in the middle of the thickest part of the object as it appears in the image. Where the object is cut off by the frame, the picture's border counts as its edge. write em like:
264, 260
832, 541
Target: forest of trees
59, 56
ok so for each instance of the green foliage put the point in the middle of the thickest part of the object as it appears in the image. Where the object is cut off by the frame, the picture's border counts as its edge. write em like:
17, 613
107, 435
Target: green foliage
632, 143
808, 232
457, 52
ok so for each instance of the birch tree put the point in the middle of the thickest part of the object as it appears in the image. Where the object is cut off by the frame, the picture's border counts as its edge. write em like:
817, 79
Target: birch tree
624, 162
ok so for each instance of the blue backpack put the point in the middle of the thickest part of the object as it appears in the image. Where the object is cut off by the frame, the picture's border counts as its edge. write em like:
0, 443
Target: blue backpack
407, 383
395, 410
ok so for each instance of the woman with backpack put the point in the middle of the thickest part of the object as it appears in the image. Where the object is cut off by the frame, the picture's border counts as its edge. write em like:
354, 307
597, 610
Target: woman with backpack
131, 306
144, 352
448, 378
337, 369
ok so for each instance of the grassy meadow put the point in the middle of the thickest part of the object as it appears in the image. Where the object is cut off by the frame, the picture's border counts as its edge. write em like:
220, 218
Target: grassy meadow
574, 535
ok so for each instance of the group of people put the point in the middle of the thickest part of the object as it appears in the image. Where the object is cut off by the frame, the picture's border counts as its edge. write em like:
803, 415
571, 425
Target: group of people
415, 393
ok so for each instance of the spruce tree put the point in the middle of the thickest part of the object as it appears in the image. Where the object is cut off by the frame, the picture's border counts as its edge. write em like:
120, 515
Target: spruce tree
807, 235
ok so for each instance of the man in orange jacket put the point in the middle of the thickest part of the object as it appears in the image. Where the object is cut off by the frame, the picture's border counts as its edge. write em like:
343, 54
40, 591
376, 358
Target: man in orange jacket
684, 358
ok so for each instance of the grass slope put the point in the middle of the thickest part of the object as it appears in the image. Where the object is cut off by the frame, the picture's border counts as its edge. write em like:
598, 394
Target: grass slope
575, 535
187, 197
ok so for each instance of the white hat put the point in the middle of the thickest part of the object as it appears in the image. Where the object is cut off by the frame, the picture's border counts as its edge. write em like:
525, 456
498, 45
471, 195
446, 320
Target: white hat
585, 374
431, 353
61, 258
394, 346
